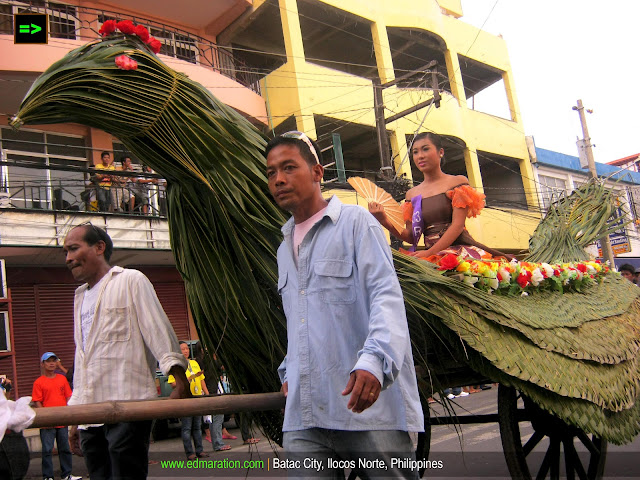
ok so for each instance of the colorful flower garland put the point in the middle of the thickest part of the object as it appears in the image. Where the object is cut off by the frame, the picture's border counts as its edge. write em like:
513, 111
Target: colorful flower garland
128, 28
522, 278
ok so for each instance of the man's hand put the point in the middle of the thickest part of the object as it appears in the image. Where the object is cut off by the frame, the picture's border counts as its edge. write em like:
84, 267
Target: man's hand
285, 389
182, 389
74, 441
364, 388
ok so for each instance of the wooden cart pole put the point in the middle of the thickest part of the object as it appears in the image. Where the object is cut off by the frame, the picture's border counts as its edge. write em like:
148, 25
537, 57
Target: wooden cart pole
133, 410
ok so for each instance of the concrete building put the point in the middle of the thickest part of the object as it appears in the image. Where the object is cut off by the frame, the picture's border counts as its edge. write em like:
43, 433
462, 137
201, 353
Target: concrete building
43, 177
558, 174
321, 58
284, 64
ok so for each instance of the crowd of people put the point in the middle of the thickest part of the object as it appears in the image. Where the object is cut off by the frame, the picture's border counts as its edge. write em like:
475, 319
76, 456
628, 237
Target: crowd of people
115, 191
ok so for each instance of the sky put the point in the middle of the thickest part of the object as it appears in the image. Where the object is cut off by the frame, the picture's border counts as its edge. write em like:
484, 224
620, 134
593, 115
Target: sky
562, 51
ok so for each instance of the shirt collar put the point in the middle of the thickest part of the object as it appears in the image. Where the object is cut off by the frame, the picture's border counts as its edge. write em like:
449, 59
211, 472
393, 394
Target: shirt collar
333, 212
112, 270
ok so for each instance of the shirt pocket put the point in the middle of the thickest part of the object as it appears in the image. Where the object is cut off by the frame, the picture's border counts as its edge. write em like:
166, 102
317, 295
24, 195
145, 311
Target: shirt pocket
335, 281
116, 324
284, 290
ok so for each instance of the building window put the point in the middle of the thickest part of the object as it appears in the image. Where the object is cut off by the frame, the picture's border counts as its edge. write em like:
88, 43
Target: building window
40, 171
6, 20
176, 45
551, 189
63, 20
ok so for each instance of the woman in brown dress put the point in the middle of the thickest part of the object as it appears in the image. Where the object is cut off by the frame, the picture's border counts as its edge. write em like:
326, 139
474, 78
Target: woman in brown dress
438, 207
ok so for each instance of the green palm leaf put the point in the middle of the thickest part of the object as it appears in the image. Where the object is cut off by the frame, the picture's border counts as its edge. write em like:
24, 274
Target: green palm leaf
224, 231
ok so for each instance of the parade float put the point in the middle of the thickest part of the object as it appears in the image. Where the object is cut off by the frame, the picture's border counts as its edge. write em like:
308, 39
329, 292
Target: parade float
557, 330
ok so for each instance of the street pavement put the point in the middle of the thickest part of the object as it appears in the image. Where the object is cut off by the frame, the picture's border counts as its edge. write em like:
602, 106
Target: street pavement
468, 451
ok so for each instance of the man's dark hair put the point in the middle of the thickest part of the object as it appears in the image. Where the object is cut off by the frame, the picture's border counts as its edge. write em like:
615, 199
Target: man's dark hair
93, 235
303, 148
102, 155
626, 267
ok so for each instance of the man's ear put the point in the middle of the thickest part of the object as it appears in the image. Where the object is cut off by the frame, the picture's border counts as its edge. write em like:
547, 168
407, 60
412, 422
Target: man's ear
318, 172
100, 247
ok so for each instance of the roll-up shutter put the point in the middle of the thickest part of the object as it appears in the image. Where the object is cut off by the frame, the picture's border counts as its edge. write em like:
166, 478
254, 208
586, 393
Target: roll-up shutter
54, 305
25, 338
174, 302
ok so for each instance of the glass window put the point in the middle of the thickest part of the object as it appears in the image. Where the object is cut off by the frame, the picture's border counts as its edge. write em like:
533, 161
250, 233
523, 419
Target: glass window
551, 189
43, 176
66, 186
6, 20
22, 140
28, 182
5, 344
62, 21
177, 45
66, 146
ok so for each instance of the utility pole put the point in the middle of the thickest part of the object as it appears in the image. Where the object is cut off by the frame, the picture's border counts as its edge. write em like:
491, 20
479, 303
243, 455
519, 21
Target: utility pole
607, 251
381, 121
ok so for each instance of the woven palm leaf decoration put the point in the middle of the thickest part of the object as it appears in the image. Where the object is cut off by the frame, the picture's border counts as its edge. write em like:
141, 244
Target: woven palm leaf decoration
373, 193
576, 354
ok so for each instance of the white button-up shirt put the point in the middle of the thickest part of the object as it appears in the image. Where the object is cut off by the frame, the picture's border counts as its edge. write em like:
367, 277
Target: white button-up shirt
129, 332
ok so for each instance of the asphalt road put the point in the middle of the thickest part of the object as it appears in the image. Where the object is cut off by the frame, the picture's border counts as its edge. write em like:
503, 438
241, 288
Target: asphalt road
470, 451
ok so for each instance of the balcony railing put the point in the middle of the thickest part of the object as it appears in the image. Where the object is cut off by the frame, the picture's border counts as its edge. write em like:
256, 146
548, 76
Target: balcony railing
68, 189
82, 23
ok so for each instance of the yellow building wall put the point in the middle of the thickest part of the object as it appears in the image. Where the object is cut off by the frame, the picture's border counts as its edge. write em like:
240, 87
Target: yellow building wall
314, 89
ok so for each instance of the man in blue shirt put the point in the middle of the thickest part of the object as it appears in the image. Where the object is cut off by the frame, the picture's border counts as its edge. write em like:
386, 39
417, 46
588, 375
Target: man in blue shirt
348, 374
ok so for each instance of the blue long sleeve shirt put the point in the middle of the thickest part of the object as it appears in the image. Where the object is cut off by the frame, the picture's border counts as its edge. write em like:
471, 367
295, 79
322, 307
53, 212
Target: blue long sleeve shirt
345, 311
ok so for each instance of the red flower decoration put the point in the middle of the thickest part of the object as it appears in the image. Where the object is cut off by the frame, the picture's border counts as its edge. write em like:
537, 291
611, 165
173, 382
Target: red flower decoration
154, 45
126, 63
126, 27
142, 32
107, 28
499, 275
582, 267
449, 262
523, 279
556, 272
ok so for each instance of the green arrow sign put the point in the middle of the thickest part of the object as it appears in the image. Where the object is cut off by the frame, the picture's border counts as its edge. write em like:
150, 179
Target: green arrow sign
34, 29
30, 28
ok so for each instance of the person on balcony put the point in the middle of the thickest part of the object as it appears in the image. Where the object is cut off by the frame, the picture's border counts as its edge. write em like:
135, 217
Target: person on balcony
140, 191
105, 194
125, 196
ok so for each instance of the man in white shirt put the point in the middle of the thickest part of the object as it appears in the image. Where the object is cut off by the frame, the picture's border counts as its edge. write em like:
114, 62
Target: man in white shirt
120, 330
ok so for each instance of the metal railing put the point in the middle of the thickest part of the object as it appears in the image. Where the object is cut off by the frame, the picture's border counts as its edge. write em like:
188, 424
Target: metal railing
78, 22
69, 189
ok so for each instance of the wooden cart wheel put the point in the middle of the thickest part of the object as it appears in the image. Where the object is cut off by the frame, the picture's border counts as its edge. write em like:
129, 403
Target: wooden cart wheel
561, 440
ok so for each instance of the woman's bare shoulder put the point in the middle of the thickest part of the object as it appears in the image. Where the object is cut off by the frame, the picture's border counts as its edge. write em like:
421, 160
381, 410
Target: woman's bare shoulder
412, 192
455, 180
